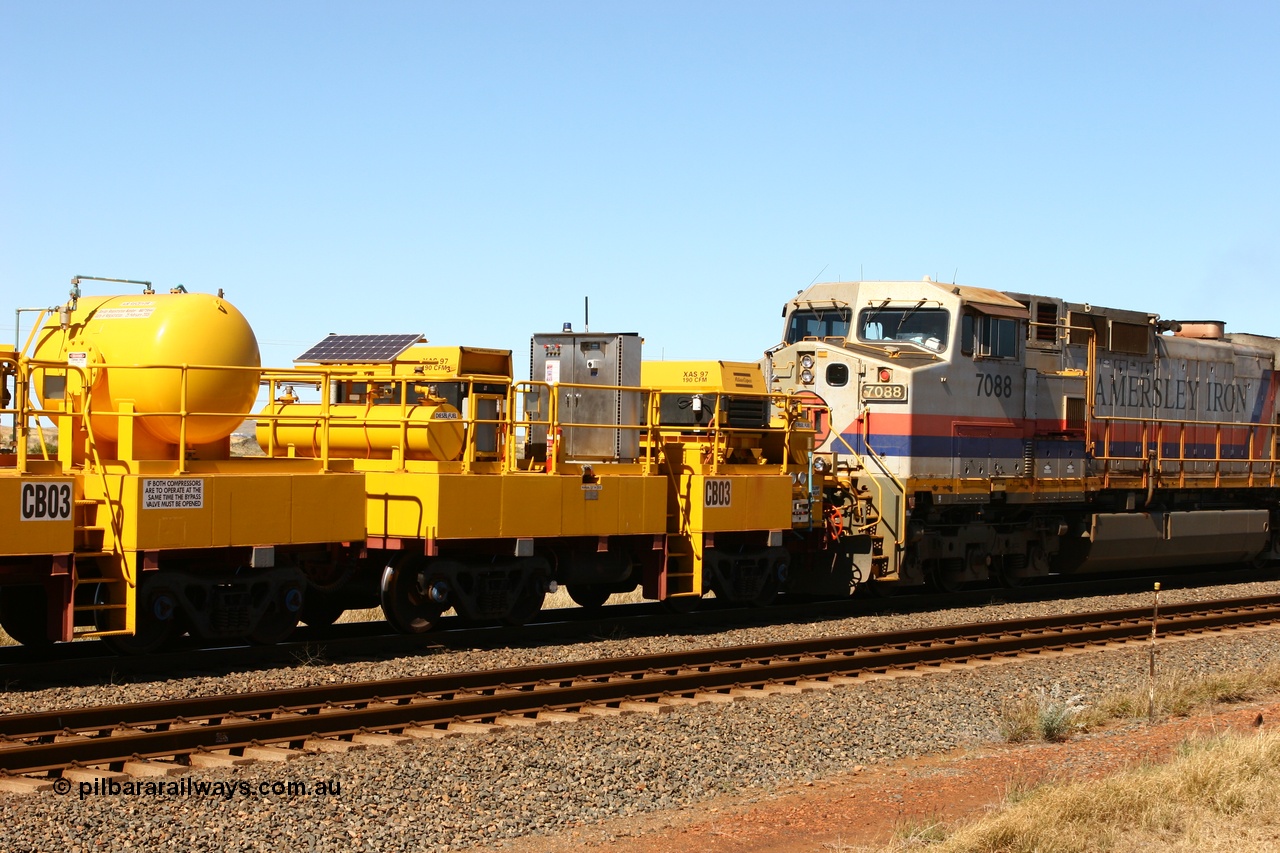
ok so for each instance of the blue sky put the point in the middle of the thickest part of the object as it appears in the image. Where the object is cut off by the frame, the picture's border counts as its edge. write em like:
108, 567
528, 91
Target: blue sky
471, 171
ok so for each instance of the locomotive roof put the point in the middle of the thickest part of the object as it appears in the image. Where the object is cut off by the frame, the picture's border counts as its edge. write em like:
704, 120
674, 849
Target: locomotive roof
846, 292
982, 296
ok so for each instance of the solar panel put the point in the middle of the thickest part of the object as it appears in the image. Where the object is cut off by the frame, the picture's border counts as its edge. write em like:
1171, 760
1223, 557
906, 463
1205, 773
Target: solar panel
358, 349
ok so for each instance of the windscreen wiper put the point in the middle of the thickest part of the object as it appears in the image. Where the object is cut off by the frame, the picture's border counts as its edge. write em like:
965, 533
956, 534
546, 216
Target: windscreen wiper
913, 309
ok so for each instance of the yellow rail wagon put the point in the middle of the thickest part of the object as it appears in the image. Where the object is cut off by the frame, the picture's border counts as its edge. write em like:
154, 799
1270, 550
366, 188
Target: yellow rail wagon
37, 531
484, 493
169, 533
735, 484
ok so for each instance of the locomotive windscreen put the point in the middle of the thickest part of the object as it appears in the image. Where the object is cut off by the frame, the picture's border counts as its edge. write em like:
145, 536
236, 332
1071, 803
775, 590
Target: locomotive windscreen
818, 323
924, 326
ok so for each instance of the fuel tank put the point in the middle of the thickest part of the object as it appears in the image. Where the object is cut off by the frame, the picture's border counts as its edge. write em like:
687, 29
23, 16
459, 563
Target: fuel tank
431, 431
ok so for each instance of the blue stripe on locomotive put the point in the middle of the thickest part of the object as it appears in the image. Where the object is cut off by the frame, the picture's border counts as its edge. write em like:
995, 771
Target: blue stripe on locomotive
997, 447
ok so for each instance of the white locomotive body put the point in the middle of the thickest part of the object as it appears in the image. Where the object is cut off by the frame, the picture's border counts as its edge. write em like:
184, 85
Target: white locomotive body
968, 433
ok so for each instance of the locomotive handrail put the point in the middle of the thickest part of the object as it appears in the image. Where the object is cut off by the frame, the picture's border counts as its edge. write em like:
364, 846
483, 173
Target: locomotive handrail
38, 411
720, 433
899, 536
650, 429
37, 326
19, 407
875, 483
1151, 447
115, 507
1152, 450
513, 421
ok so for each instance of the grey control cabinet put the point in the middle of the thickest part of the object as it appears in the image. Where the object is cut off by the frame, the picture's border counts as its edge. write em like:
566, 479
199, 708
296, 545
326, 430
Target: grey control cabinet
565, 360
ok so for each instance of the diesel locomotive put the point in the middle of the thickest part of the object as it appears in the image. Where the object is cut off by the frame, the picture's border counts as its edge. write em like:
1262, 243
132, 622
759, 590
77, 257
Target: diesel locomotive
967, 434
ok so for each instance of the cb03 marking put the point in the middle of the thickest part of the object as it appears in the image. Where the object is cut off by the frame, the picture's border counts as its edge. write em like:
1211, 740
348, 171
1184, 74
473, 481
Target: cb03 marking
885, 393
718, 493
46, 501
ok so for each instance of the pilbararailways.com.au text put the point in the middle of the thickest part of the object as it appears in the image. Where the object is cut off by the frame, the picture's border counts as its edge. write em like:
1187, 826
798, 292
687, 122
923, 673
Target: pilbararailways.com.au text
199, 788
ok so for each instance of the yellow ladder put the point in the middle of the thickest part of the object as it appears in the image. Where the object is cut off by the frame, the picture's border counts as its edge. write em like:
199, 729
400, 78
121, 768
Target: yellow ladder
684, 568
110, 573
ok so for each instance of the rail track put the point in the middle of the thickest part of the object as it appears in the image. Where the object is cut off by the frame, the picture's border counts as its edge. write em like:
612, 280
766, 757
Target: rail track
90, 662
161, 737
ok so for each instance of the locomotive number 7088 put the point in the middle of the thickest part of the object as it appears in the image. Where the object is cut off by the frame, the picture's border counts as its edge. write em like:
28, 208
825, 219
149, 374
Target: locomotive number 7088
994, 385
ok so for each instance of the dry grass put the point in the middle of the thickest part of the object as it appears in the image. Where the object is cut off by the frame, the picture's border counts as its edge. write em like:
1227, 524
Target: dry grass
1180, 694
1049, 715
1218, 794
371, 614
560, 598
1042, 715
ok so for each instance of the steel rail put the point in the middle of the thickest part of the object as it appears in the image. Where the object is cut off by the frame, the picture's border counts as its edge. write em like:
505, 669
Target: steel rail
55, 722
229, 722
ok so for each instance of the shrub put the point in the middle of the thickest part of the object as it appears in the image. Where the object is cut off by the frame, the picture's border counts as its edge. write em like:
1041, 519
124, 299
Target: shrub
1045, 714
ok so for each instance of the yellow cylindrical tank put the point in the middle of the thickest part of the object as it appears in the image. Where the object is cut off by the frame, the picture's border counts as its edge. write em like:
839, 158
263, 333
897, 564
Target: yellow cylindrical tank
431, 431
132, 348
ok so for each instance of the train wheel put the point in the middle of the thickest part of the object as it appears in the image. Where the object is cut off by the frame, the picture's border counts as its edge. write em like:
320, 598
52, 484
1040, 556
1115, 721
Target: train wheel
945, 578
24, 615
1009, 577
589, 596
769, 589
409, 601
527, 603
280, 620
157, 622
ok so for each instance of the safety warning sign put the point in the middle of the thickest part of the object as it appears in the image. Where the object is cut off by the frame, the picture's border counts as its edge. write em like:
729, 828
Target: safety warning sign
184, 493
124, 313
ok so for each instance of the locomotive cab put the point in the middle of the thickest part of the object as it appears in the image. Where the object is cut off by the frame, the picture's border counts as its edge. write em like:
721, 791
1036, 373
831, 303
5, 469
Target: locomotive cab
916, 390
876, 356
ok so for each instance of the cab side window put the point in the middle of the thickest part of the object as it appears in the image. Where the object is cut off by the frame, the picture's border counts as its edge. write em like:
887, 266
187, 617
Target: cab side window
989, 337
